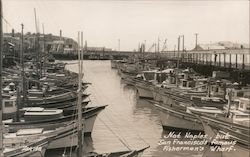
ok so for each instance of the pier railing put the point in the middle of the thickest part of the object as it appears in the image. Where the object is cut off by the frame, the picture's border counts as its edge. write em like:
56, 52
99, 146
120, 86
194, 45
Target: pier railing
229, 58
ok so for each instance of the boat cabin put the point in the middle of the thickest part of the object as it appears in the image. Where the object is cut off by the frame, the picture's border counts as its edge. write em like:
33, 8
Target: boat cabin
236, 93
165, 75
244, 105
240, 117
39, 113
9, 108
34, 92
187, 83
149, 75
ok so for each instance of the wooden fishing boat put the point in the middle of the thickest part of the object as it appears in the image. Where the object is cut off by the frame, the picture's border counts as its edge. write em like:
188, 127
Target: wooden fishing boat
59, 97
10, 107
36, 148
211, 132
55, 101
236, 124
146, 84
89, 114
62, 136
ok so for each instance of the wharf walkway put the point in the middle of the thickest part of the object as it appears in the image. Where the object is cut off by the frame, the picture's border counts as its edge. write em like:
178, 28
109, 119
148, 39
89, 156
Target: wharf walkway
223, 58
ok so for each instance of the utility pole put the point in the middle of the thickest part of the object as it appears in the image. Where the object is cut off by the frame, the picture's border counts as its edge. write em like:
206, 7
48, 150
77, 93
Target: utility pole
178, 44
139, 47
178, 52
1, 64
183, 45
119, 44
155, 47
196, 40
158, 48
35, 21
174, 49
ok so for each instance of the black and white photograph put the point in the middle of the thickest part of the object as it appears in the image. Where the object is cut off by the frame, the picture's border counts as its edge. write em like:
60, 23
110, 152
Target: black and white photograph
124, 78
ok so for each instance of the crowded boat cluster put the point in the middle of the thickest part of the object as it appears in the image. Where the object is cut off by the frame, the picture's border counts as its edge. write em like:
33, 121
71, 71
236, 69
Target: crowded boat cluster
191, 102
41, 112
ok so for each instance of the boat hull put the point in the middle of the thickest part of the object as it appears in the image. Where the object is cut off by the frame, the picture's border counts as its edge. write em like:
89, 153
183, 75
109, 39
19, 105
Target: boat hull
65, 140
157, 96
144, 92
34, 150
174, 119
174, 122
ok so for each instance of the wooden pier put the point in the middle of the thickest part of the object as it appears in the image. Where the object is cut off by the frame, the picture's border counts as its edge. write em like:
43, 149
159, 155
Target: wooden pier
227, 58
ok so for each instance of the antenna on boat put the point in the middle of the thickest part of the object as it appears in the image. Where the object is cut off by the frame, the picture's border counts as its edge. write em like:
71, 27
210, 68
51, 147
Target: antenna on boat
1, 64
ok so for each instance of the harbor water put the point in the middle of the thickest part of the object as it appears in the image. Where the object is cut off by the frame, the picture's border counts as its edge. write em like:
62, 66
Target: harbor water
127, 122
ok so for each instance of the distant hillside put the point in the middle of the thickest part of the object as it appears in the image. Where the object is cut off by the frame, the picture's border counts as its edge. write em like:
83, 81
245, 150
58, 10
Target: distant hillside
221, 45
232, 45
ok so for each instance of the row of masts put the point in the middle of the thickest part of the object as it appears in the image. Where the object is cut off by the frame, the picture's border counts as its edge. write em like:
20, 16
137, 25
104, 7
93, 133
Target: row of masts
156, 45
24, 85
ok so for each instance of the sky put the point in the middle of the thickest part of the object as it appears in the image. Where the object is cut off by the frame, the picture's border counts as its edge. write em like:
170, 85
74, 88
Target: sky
104, 22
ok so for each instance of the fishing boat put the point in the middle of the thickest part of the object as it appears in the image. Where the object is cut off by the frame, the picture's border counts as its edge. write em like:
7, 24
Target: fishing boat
61, 136
146, 84
234, 121
89, 114
212, 133
36, 148
178, 120
10, 108
54, 101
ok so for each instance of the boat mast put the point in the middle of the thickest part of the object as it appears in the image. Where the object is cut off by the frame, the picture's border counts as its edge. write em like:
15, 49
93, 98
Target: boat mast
37, 48
1, 98
79, 104
229, 102
44, 53
178, 62
24, 85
